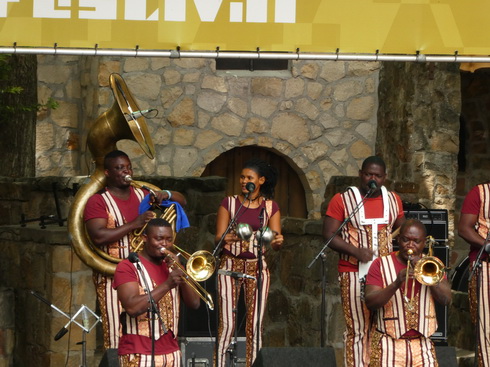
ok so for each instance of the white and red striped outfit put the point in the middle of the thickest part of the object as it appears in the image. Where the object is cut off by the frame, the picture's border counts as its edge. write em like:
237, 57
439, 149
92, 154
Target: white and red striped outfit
477, 202
402, 333
117, 212
370, 228
242, 257
135, 343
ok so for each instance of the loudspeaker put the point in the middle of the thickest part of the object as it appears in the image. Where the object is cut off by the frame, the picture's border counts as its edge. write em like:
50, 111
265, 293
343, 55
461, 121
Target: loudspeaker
295, 357
199, 351
110, 358
446, 356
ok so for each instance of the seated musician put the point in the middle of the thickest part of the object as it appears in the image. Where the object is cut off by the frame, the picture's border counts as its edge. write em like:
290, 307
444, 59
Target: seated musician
405, 317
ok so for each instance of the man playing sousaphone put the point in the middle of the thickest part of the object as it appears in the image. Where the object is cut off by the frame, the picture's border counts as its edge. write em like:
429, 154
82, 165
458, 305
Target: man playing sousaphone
405, 317
110, 216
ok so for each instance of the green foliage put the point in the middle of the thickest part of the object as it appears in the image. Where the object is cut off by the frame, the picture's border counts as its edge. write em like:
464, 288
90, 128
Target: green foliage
11, 95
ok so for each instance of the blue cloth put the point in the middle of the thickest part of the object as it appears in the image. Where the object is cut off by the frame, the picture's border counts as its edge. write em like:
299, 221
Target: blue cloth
182, 220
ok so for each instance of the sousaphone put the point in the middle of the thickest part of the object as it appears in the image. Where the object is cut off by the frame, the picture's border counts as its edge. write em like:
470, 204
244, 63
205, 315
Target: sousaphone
116, 124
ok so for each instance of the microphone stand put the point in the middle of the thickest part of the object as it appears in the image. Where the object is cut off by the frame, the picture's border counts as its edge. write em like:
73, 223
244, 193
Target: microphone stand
232, 348
153, 311
216, 253
85, 325
259, 278
477, 269
323, 256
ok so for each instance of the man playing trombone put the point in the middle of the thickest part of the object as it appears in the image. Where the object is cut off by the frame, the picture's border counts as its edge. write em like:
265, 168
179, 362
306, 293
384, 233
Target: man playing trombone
405, 317
147, 279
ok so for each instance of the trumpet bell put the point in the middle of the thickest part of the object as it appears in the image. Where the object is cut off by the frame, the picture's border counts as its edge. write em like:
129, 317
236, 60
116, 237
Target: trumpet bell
201, 265
429, 270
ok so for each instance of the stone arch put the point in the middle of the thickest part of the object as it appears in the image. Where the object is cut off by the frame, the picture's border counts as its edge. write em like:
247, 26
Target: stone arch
290, 190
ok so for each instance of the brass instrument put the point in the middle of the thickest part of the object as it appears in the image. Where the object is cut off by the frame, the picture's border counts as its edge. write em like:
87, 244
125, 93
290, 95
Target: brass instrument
200, 266
429, 270
409, 264
116, 124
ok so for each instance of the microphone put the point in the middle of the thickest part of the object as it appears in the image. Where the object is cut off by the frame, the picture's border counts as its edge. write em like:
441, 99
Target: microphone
487, 248
62, 332
137, 114
133, 257
372, 185
235, 274
250, 186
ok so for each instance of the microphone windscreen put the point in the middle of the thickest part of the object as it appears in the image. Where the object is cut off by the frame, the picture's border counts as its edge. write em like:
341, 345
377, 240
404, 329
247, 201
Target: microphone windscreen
250, 186
372, 185
133, 257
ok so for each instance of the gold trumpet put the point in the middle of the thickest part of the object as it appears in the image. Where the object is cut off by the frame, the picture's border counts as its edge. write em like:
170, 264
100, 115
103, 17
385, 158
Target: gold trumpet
409, 263
429, 270
200, 266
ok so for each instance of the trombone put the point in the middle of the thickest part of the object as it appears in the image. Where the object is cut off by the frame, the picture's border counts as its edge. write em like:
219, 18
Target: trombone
200, 266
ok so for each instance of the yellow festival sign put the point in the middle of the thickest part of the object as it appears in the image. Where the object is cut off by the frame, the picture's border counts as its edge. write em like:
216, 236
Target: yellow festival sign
437, 27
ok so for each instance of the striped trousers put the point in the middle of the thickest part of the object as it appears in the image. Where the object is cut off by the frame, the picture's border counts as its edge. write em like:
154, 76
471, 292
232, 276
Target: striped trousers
228, 301
358, 321
389, 352
481, 311
144, 360
109, 310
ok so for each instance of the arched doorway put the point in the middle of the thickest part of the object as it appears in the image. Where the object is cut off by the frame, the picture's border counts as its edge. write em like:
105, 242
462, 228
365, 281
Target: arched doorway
290, 194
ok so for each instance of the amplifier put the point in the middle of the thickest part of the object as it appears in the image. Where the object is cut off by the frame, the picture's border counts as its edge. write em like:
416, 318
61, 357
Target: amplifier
435, 221
199, 352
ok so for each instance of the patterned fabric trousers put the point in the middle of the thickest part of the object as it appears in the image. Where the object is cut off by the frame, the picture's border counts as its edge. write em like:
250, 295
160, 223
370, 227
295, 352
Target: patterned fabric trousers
228, 302
481, 311
389, 352
358, 321
109, 310
144, 360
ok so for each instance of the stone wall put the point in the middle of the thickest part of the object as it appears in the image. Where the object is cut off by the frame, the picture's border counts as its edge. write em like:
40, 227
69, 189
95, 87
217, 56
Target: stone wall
320, 115
419, 132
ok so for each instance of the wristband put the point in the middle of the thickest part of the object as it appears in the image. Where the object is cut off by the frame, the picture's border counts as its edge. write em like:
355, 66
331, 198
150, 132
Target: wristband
169, 194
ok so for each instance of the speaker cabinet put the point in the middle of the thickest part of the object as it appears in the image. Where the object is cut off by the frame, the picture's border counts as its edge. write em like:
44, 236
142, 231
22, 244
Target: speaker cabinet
295, 357
199, 351
110, 358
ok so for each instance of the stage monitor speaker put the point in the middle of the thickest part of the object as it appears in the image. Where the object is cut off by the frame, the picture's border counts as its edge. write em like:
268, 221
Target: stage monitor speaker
295, 357
110, 358
199, 351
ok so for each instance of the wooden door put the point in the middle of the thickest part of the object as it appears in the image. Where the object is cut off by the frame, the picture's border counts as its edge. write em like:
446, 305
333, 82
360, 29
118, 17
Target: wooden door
289, 193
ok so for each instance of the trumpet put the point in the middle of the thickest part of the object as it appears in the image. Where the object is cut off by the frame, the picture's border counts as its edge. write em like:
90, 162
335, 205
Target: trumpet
429, 270
200, 266
409, 262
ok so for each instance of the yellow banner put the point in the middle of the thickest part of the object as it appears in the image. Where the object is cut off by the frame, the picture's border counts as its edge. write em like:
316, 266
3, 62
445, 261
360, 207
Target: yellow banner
351, 26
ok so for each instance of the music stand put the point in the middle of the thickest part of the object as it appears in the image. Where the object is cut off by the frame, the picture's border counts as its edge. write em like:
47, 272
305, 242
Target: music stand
85, 313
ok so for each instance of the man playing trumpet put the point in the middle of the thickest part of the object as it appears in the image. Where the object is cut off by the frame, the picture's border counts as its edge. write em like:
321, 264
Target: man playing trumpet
166, 285
405, 317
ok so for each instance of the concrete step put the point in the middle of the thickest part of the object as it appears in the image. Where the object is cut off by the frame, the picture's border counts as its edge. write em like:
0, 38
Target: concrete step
465, 358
